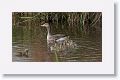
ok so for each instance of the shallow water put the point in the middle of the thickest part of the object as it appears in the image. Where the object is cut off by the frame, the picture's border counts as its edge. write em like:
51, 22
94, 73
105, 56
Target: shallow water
33, 38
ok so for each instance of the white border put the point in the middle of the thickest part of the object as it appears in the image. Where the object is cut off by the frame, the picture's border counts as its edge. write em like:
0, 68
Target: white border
9, 67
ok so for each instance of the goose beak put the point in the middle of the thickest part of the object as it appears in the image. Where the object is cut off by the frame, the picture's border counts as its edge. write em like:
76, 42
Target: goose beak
43, 25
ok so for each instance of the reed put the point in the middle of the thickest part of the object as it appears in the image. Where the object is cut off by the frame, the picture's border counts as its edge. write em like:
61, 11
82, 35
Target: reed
85, 21
56, 56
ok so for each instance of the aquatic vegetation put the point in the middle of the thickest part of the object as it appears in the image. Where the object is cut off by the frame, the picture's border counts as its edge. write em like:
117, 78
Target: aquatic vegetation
86, 21
66, 45
63, 48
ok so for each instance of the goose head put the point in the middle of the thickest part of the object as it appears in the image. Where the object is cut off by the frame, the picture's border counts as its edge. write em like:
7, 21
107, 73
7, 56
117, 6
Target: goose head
45, 25
26, 50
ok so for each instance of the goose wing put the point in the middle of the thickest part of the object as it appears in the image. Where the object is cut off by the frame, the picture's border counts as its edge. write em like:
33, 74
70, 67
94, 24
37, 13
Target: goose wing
58, 36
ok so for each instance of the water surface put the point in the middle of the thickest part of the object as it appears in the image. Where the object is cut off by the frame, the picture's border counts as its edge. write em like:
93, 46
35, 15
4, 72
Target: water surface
33, 37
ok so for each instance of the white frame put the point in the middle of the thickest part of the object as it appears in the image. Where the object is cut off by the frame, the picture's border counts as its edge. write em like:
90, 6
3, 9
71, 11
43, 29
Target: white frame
104, 67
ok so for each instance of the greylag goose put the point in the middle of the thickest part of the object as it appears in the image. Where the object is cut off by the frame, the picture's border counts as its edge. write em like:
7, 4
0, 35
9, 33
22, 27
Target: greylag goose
54, 38
58, 42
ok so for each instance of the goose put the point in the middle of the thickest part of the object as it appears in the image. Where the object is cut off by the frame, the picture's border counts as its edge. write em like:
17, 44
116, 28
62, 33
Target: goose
54, 38
23, 53
58, 42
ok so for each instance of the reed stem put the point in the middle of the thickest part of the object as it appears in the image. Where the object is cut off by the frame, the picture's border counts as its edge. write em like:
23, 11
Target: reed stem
56, 57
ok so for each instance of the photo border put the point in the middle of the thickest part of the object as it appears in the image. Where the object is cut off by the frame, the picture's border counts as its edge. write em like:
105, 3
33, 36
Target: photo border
104, 67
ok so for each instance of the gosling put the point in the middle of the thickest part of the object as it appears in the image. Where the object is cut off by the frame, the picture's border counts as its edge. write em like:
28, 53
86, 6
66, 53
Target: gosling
25, 53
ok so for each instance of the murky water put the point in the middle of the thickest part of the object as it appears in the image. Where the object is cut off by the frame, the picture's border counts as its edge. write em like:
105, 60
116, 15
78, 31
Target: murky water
33, 38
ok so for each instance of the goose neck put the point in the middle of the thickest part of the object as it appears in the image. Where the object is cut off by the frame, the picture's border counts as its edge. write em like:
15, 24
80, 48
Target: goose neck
48, 30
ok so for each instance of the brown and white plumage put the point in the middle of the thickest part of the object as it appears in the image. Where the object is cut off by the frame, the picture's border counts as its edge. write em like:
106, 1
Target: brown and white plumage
58, 42
53, 38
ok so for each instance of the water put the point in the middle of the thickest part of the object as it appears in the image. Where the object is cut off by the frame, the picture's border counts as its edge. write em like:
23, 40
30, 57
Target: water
33, 38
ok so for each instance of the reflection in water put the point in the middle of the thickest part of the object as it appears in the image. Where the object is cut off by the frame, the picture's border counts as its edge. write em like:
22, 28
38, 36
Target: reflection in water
30, 44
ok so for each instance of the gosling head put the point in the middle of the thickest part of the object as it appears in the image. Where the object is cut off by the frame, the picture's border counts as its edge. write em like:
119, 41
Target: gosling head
26, 50
45, 25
